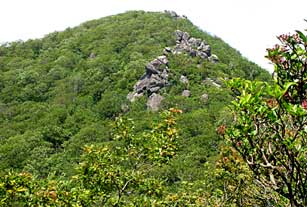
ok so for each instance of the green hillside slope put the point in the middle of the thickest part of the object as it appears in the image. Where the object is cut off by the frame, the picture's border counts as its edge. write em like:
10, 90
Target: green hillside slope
65, 90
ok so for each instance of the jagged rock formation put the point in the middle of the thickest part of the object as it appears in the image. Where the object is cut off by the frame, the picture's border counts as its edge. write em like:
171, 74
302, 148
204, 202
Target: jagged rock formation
153, 80
193, 46
156, 72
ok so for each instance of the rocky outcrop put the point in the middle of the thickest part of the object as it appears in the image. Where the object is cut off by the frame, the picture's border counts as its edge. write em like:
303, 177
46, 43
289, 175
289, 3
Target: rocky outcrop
195, 47
174, 14
154, 102
153, 80
157, 71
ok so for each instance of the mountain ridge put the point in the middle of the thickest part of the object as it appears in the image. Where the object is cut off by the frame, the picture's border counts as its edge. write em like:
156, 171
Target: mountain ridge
83, 67
69, 89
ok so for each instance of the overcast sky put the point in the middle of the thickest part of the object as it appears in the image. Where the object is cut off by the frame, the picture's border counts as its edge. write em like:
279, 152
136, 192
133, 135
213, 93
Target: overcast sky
250, 26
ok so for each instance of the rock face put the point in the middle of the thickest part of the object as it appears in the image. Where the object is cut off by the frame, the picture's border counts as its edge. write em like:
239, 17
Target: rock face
193, 46
154, 102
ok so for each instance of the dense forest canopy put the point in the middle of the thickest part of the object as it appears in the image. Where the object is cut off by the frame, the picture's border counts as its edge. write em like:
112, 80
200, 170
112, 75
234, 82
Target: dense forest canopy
67, 92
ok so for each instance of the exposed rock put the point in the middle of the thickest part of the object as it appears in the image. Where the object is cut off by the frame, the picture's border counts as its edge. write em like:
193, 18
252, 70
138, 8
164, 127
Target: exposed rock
175, 15
132, 96
167, 50
213, 58
203, 55
186, 93
193, 53
183, 79
204, 98
185, 37
164, 74
92, 55
193, 46
163, 59
151, 69
172, 13
154, 79
157, 71
206, 49
125, 108
211, 82
154, 89
157, 65
154, 102
195, 42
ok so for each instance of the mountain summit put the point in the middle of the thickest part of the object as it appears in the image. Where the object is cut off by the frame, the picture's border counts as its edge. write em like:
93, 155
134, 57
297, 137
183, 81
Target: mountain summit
65, 91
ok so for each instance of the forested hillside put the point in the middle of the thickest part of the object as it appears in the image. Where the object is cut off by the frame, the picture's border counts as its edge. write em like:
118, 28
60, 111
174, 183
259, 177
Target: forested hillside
65, 113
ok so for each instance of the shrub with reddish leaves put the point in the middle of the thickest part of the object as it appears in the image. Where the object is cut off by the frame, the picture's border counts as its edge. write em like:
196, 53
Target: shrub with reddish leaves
270, 121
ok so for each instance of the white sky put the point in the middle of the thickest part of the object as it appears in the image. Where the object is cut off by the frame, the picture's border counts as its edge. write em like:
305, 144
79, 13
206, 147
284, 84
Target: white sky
247, 25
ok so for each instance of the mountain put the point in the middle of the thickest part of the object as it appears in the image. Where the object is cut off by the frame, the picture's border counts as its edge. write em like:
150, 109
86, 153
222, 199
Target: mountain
65, 91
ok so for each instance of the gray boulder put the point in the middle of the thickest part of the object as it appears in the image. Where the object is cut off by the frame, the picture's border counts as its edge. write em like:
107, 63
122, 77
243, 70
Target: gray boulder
195, 43
142, 85
183, 79
202, 54
125, 108
204, 98
186, 93
132, 96
206, 49
92, 55
174, 15
154, 102
164, 74
185, 36
179, 35
151, 69
213, 58
167, 50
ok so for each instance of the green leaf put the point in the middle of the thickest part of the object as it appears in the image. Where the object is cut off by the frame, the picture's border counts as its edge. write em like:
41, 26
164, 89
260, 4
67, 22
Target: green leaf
280, 93
246, 99
301, 35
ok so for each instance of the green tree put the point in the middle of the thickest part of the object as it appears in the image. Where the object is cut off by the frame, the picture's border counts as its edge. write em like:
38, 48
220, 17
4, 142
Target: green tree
270, 121
116, 173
